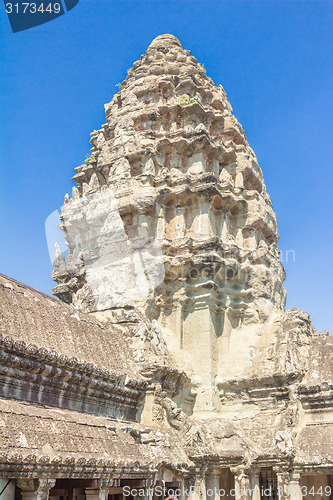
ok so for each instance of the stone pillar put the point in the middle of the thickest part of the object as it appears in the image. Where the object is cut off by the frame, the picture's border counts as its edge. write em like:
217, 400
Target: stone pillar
203, 228
224, 225
242, 483
35, 489
213, 484
150, 486
197, 488
237, 487
100, 493
160, 227
239, 181
255, 484
202, 487
147, 409
182, 489
245, 485
283, 483
295, 492
179, 223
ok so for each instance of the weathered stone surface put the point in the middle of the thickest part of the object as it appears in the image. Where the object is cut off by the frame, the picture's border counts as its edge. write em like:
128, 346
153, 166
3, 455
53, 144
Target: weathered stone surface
176, 317
60, 440
61, 332
182, 224
176, 219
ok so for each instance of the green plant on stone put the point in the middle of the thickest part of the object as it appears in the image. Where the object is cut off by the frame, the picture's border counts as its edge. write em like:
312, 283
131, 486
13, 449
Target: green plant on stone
88, 160
190, 100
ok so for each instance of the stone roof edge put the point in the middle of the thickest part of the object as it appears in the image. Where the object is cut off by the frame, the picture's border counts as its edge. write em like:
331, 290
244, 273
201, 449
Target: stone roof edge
275, 380
23, 285
78, 467
11, 466
33, 352
69, 308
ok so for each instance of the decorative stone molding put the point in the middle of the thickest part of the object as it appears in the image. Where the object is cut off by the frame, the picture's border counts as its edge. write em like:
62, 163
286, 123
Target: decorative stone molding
35, 489
22, 353
17, 466
35, 372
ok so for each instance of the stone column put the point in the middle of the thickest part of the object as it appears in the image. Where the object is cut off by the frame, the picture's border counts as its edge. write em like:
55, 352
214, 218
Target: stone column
239, 181
283, 486
202, 487
160, 227
197, 488
237, 488
242, 483
35, 489
295, 492
203, 228
150, 486
148, 404
255, 486
182, 487
100, 493
179, 223
225, 225
213, 484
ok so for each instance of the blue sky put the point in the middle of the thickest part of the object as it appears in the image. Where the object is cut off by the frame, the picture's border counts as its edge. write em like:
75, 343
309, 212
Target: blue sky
274, 59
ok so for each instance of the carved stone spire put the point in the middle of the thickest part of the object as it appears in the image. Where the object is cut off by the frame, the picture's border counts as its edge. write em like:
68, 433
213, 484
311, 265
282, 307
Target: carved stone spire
173, 215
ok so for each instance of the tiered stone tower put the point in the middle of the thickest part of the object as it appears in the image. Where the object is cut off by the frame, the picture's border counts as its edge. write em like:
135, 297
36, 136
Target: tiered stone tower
171, 216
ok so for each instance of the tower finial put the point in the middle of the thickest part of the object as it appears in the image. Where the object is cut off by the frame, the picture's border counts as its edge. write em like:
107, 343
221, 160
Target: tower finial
165, 40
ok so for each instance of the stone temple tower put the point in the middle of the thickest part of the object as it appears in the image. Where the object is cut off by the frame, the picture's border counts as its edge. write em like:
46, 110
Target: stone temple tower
171, 218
